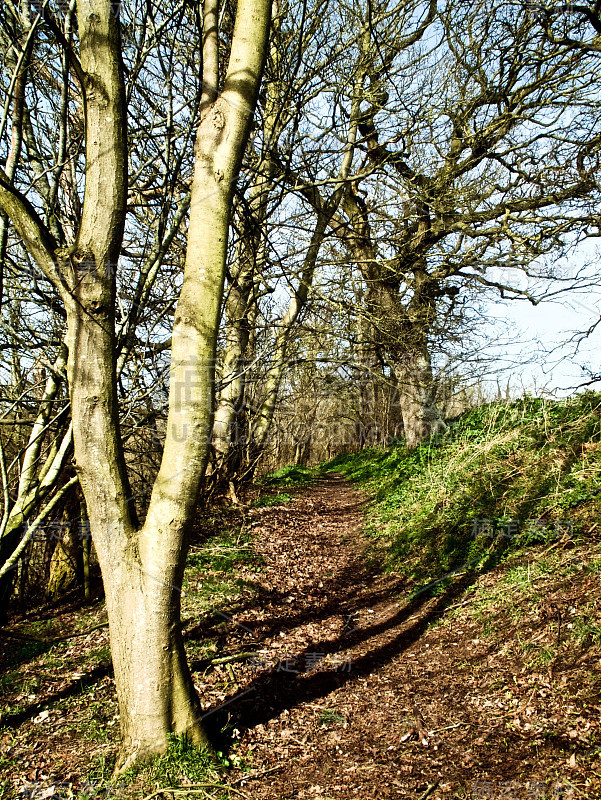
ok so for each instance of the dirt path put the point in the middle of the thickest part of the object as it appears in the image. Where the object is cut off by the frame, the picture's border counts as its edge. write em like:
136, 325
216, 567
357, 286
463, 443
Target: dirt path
357, 693
353, 690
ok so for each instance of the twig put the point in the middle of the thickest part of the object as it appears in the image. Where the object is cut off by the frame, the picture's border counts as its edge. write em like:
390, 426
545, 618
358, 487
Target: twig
26, 638
563, 540
229, 659
569, 782
428, 791
219, 548
222, 786
455, 605
447, 728
195, 788
257, 775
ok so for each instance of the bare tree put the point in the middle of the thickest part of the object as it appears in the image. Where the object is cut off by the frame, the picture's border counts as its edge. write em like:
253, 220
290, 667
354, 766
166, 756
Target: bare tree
483, 163
142, 565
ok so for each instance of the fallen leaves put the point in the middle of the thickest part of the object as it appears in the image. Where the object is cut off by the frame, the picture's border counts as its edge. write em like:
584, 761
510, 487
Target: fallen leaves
484, 712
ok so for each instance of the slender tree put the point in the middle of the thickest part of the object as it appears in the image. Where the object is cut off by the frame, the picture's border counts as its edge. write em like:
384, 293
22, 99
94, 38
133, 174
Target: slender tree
142, 565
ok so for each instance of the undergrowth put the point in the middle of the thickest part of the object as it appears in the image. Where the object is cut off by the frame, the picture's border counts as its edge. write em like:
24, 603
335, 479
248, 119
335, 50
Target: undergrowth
220, 571
224, 552
291, 475
183, 765
183, 770
266, 501
504, 476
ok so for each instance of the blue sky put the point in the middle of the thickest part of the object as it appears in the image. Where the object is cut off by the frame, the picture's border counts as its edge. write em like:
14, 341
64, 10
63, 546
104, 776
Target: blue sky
541, 356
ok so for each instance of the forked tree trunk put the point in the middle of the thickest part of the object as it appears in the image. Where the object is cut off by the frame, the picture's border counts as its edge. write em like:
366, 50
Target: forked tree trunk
156, 694
142, 568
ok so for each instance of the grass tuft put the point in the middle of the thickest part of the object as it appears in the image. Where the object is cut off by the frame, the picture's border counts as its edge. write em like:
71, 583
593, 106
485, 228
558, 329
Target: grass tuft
183, 764
290, 475
266, 501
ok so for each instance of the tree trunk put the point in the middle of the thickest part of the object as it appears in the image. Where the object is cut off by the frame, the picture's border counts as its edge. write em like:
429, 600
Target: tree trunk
86, 547
39, 476
226, 427
65, 561
421, 415
156, 694
142, 568
400, 333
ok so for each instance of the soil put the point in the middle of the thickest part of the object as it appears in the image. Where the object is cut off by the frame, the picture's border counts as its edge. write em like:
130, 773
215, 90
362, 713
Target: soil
357, 688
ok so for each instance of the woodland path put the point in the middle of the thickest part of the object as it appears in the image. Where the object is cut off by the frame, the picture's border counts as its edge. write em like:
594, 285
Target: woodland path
357, 694
354, 689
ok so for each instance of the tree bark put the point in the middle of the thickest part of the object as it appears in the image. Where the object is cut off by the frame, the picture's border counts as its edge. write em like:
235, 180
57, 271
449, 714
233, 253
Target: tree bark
417, 398
238, 315
65, 560
155, 690
142, 567
400, 331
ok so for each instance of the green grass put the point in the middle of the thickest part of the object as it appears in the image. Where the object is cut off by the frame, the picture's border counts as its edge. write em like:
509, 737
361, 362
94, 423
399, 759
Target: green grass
183, 763
266, 501
289, 476
223, 553
209, 581
543, 657
330, 716
183, 766
585, 630
205, 593
505, 476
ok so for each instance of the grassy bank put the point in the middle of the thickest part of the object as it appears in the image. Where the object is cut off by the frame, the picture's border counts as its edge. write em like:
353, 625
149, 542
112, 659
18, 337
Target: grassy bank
504, 476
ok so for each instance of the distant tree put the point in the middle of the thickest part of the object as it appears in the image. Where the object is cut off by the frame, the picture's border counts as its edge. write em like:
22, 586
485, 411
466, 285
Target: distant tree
282, 228
480, 166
